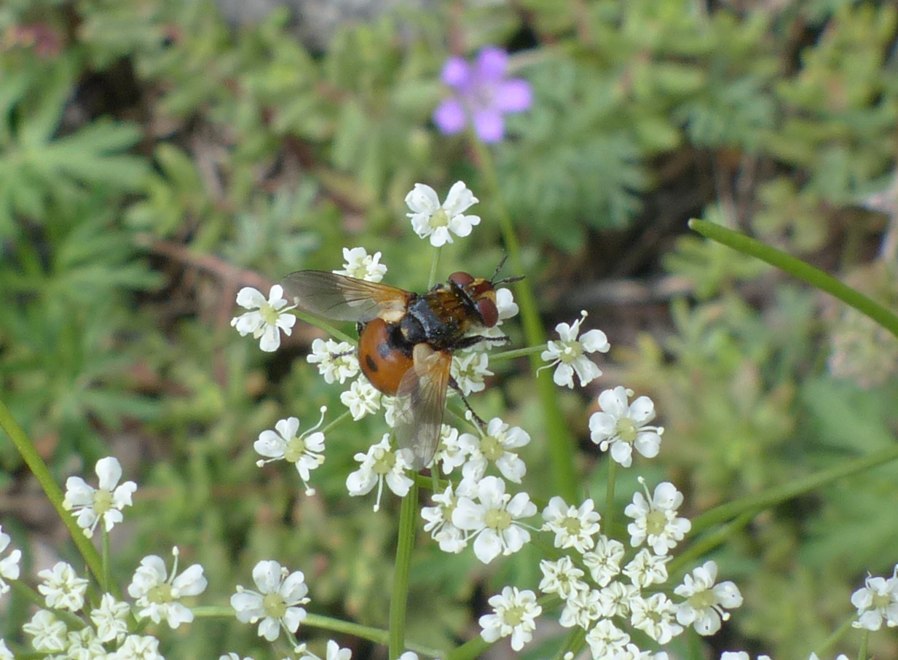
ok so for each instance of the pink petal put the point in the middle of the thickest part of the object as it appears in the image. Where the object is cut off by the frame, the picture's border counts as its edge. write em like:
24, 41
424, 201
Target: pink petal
456, 72
514, 95
489, 125
492, 63
450, 117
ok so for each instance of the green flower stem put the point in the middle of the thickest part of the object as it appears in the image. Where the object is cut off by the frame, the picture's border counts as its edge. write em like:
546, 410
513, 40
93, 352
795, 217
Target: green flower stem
40, 471
431, 481
434, 266
800, 269
574, 643
24, 591
376, 635
824, 649
471, 649
609, 496
408, 514
561, 442
708, 542
862, 649
516, 353
327, 327
72, 620
104, 553
755, 503
336, 422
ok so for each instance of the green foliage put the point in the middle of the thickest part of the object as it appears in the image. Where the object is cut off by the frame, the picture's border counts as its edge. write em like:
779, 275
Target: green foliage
37, 165
126, 228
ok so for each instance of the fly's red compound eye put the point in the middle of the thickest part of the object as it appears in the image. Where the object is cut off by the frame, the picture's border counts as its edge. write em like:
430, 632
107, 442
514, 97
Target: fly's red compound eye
462, 279
488, 312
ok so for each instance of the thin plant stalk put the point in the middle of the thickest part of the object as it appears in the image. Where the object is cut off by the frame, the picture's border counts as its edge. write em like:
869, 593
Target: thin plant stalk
54, 494
408, 515
800, 269
560, 441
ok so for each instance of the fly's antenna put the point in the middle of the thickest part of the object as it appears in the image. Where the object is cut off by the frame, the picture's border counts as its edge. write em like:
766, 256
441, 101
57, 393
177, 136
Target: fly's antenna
504, 280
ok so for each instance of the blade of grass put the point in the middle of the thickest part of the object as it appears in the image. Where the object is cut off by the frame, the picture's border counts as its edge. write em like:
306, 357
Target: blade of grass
800, 269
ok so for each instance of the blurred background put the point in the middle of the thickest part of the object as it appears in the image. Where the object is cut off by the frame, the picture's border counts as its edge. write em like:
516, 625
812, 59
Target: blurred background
156, 156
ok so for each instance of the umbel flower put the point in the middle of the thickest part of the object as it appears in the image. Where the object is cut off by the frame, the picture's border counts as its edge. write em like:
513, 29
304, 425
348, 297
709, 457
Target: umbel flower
877, 601
569, 353
481, 95
623, 426
9, 565
103, 503
304, 450
438, 221
265, 318
158, 593
514, 614
277, 603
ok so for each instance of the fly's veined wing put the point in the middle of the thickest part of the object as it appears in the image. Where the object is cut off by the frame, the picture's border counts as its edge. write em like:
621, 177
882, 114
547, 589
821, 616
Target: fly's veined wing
344, 298
420, 401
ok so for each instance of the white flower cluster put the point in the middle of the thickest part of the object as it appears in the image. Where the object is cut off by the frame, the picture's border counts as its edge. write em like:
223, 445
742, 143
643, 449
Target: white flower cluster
275, 606
266, 318
337, 362
104, 630
68, 625
624, 586
877, 602
479, 508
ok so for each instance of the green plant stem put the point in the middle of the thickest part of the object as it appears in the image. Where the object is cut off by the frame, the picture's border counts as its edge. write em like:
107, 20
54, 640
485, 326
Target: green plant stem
574, 643
516, 353
800, 269
405, 540
609, 496
40, 471
376, 635
560, 441
766, 499
104, 554
336, 422
862, 649
429, 482
72, 620
471, 649
434, 266
708, 542
823, 649
327, 327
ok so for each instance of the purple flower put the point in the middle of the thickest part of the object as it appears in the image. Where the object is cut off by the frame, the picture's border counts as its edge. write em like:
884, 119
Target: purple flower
481, 94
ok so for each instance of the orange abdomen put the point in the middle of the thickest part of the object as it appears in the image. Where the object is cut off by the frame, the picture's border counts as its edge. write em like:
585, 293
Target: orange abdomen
381, 358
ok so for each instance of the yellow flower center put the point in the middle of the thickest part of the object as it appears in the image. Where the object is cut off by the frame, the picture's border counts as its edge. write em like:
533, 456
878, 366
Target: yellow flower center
295, 449
274, 605
626, 430
655, 522
384, 463
439, 218
491, 448
102, 501
159, 594
497, 519
269, 314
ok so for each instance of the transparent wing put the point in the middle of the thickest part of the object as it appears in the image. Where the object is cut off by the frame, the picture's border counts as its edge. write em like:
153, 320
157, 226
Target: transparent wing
420, 402
344, 298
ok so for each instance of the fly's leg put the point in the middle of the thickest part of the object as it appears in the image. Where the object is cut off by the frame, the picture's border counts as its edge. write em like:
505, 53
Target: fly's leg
467, 342
454, 385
